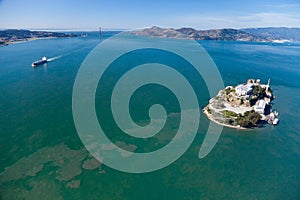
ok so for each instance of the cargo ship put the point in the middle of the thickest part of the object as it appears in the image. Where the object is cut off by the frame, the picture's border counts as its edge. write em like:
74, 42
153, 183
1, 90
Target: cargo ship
39, 62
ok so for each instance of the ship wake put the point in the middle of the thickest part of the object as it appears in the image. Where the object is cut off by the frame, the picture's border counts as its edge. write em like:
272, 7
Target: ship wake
54, 58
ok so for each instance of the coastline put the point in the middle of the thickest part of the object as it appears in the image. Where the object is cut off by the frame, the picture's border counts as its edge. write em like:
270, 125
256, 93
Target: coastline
210, 117
26, 40
13, 36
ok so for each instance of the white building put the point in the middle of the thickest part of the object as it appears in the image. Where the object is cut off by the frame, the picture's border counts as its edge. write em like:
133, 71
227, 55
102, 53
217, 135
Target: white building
242, 90
260, 106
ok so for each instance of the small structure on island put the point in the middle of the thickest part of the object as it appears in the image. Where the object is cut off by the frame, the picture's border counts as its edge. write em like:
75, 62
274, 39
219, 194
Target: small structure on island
244, 89
260, 106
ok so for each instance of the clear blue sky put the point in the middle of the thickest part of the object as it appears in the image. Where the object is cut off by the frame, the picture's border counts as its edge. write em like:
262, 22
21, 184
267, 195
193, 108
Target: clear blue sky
200, 14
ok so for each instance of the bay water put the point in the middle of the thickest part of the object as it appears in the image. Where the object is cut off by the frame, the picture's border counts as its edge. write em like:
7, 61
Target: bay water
36, 117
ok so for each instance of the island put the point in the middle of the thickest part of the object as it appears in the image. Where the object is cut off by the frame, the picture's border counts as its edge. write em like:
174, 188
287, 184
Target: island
244, 106
18, 35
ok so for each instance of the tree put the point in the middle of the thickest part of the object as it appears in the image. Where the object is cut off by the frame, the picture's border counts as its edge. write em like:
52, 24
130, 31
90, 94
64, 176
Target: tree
249, 120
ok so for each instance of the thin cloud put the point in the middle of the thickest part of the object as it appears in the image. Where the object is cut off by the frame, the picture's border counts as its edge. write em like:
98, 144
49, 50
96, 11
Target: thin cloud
272, 19
263, 19
282, 6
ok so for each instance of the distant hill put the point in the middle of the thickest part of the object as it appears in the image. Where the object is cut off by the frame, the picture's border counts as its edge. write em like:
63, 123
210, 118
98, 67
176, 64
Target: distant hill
190, 33
221, 34
14, 35
160, 33
272, 33
226, 34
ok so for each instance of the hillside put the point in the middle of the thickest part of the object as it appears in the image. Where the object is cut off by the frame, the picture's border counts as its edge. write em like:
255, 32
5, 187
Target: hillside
226, 34
190, 33
272, 33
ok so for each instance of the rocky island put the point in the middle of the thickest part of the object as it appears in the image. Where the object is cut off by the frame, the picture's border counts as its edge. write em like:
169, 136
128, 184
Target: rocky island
17, 35
246, 105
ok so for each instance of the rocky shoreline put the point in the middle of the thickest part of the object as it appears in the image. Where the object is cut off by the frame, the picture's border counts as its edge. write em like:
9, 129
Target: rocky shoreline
244, 106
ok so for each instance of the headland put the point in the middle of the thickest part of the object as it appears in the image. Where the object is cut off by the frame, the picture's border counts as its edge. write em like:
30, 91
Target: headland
10, 36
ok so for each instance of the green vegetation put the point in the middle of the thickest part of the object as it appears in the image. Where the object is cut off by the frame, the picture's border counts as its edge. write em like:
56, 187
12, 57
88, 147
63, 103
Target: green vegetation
249, 120
253, 100
208, 110
258, 93
228, 113
258, 90
229, 90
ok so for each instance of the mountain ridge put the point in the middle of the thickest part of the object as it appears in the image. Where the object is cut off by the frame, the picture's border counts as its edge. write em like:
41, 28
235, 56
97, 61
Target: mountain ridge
271, 34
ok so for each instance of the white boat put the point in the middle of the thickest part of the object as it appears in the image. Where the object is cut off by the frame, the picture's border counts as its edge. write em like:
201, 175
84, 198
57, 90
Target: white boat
275, 121
40, 62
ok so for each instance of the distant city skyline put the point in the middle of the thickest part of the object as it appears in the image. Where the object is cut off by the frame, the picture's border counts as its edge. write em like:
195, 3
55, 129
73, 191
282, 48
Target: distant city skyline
118, 14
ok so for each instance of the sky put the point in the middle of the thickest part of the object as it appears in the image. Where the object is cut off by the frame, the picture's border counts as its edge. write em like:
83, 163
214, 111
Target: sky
126, 14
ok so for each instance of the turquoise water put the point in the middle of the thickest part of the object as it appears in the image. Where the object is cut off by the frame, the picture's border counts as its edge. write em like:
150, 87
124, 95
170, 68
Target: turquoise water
36, 114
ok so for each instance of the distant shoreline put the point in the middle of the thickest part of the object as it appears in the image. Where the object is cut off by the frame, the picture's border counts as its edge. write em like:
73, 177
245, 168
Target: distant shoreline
13, 36
27, 40
272, 34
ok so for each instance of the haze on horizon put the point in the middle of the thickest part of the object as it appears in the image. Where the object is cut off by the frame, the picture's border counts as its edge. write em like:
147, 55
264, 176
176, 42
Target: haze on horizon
118, 14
